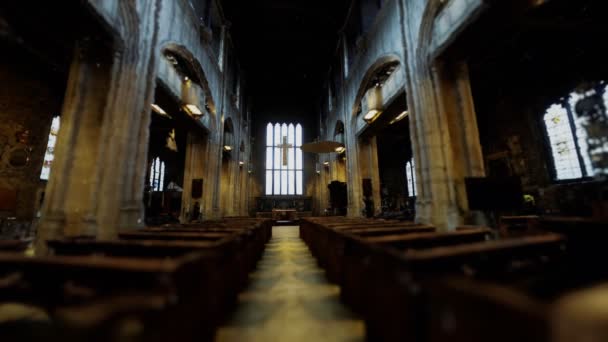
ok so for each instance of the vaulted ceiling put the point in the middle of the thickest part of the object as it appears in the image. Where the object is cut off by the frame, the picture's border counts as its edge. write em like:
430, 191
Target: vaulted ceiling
285, 46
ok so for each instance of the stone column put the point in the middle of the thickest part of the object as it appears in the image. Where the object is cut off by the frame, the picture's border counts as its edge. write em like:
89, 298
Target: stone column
442, 122
123, 154
457, 109
354, 188
210, 184
68, 205
195, 167
374, 169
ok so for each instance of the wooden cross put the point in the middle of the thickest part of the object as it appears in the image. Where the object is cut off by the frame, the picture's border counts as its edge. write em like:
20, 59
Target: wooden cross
285, 147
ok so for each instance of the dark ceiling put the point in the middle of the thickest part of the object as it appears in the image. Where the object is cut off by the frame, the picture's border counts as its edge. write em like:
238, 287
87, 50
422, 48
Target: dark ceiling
285, 46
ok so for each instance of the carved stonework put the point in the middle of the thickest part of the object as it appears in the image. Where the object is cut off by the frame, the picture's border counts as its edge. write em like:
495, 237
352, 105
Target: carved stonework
20, 149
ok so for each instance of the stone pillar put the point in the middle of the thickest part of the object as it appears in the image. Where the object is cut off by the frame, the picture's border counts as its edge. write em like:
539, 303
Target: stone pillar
195, 167
210, 184
457, 109
443, 128
69, 204
374, 169
354, 188
123, 153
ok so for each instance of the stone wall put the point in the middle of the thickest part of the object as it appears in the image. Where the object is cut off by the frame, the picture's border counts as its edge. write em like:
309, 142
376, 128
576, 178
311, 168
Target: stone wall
28, 103
109, 102
443, 128
381, 44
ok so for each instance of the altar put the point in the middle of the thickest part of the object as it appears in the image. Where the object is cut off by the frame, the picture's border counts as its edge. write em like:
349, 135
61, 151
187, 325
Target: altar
283, 208
284, 214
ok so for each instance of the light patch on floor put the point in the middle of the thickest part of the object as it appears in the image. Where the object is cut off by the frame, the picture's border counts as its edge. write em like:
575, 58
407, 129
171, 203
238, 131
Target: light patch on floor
290, 299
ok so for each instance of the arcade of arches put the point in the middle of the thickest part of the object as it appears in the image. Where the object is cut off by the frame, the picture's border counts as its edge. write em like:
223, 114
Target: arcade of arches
139, 117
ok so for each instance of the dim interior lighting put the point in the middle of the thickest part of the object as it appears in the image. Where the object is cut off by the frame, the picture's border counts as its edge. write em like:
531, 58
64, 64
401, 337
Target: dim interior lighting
371, 115
241, 163
326, 163
193, 110
373, 102
227, 148
399, 117
186, 79
340, 149
156, 108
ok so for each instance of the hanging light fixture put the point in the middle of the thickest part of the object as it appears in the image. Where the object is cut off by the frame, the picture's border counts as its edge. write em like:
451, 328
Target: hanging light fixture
373, 103
193, 110
160, 111
399, 117
340, 149
190, 99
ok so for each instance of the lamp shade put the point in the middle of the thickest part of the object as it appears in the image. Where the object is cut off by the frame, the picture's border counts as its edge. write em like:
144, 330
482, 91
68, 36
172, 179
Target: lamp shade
191, 98
372, 104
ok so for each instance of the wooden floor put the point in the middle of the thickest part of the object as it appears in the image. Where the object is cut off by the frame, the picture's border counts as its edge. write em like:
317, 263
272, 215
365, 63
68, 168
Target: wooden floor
289, 299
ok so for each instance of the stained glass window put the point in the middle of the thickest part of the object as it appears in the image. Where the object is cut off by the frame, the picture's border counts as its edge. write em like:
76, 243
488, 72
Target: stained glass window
563, 146
49, 155
284, 159
568, 138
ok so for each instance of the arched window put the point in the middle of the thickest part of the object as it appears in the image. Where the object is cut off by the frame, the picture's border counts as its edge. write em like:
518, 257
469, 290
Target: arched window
284, 166
410, 174
49, 155
157, 175
568, 137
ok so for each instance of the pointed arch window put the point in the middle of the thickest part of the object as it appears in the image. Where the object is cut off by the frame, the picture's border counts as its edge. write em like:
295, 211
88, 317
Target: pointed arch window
284, 160
157, 175
410, 174
568, 140
49, 155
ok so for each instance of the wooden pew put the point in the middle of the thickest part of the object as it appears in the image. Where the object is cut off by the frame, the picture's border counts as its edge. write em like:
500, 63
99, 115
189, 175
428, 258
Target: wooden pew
234, 252
325, 240
385, 276
156, 295
221, 264
14, 245
356, 263
397, 297
332, 244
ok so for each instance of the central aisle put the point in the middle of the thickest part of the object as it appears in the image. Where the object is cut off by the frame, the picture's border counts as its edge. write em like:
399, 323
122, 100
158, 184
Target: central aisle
289, 299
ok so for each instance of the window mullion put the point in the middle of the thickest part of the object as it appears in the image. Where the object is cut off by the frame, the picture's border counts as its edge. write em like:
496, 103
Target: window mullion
579, 156
272, 166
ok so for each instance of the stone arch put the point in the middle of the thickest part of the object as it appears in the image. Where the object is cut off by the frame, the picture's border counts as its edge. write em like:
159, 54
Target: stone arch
359, 151
437, 196
369, 75
194, 69
425, 33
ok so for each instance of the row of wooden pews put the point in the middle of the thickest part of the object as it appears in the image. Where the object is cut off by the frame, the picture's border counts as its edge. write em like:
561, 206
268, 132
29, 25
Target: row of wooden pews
411, 283
169, 283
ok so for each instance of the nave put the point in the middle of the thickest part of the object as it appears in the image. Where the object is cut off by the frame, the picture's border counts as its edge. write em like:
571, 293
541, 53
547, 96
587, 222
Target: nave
290, 299
446, 161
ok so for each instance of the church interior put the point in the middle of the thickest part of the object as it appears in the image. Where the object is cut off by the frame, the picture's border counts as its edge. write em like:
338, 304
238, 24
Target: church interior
303, 170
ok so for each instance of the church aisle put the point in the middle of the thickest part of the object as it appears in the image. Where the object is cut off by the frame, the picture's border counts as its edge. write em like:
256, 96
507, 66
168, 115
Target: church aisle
290, 299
